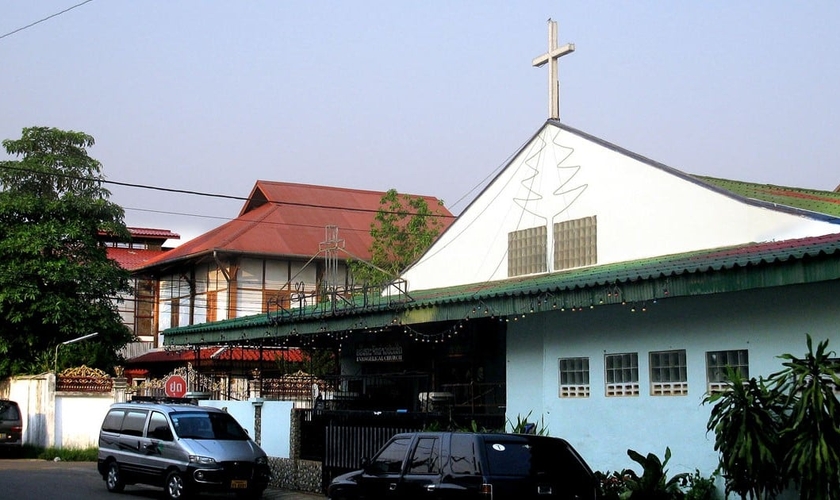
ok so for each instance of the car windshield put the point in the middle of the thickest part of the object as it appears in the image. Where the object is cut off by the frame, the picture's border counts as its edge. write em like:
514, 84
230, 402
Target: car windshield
207, 425
8, 411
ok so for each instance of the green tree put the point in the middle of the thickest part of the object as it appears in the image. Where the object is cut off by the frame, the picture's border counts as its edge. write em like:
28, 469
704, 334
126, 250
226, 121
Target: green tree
404, 227
56, 281
782, 431
746, 420
812, 421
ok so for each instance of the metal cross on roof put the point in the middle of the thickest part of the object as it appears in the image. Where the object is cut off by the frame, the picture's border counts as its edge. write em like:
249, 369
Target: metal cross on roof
331, 246
554, 53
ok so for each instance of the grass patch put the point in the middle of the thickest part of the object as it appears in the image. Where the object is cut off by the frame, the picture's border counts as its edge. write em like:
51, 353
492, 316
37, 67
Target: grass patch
64, 454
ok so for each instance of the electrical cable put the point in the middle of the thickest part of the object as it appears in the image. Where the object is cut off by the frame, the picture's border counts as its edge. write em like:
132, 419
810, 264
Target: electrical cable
217, 195
44, 19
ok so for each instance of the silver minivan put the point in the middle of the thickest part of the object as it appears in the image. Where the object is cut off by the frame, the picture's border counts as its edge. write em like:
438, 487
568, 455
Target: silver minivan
183, 448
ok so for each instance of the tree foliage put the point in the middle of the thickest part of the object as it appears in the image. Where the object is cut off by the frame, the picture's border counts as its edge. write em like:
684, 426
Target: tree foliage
746, 420
785, 430
56, 281
812, 421
404, 227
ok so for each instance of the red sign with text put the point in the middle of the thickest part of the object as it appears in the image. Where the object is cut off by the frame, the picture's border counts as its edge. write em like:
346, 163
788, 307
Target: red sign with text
176, 386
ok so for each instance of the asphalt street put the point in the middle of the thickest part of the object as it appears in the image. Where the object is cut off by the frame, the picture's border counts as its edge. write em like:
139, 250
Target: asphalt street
45, 480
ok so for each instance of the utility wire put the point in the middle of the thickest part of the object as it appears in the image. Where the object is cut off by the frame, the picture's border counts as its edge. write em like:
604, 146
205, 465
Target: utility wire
44, 19
228, 219
7, 165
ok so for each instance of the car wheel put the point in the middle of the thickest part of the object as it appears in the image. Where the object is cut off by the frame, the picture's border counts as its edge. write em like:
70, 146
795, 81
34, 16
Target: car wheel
113, 478
175, 488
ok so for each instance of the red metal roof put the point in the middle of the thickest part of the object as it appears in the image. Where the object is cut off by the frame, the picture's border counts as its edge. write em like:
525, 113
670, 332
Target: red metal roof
148, 232
282, 218
132, 258
207, 354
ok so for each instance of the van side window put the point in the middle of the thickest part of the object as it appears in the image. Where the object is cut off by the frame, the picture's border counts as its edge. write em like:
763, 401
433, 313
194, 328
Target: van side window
113, 421
134, 423
463, 455
159, 427
426, 457
390, 459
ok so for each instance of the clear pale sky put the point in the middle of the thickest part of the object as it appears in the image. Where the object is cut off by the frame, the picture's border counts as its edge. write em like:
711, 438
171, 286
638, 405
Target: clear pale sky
426, 97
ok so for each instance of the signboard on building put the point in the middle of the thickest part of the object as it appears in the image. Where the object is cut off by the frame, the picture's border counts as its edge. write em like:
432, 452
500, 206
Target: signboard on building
379, 353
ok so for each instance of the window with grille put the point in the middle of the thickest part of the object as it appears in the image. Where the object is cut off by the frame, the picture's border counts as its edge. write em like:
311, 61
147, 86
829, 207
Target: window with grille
527, 251
718, 361
621, 374
574, 377
668, 373
575, 243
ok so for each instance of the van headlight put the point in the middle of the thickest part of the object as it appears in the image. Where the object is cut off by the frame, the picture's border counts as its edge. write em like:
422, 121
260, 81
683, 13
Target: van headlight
197, 459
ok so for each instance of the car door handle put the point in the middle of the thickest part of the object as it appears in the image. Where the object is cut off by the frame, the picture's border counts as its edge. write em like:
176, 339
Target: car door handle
430, 487
392, 486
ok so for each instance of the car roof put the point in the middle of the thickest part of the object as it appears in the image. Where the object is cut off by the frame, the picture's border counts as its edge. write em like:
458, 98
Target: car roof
483, 435
168, 407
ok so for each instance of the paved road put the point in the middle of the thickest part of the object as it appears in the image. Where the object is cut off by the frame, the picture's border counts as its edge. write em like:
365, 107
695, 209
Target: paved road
43, 480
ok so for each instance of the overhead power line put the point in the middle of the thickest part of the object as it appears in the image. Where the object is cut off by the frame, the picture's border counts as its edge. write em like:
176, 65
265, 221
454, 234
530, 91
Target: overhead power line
6, 165
44, 19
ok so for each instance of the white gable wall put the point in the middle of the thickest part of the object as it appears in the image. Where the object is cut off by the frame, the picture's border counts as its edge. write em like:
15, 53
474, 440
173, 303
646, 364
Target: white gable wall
767, 323
642, 211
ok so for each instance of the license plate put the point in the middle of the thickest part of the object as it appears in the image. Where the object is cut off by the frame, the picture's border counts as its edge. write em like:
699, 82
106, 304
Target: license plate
238, 484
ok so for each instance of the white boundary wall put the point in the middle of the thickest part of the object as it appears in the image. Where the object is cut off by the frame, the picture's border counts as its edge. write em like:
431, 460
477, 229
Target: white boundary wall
72, 419
78, 417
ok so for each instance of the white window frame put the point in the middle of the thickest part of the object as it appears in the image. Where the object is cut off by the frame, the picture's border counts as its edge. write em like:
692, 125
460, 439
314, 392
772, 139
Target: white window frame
627, 385
579, 387
668, 373
715, 371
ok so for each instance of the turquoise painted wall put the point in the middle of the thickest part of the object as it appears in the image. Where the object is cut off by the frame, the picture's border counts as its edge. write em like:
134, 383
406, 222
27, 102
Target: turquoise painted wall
766, 322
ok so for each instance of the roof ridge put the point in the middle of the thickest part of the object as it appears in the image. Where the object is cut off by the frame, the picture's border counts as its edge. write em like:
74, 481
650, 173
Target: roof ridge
338, 188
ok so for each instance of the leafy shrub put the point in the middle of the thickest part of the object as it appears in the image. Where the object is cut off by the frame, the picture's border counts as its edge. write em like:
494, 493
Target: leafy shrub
698, 487
522, 426
612, 485
653, 484
783, 430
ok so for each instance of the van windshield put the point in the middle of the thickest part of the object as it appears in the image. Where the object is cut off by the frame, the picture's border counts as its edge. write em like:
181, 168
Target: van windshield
206, 425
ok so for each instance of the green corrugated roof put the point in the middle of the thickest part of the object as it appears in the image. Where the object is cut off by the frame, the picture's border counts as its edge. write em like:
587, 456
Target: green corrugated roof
703, 272
824, 202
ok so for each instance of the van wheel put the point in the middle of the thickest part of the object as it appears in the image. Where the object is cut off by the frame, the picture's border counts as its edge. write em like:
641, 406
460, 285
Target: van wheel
113, 478
175, 488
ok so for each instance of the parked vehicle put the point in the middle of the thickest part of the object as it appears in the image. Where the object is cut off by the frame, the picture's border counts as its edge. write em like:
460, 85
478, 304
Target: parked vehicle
11, 426
183, 448
455, 465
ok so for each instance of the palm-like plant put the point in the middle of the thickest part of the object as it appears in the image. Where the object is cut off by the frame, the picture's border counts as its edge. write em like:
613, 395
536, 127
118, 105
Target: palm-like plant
812, 422
654, 483
747, 425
